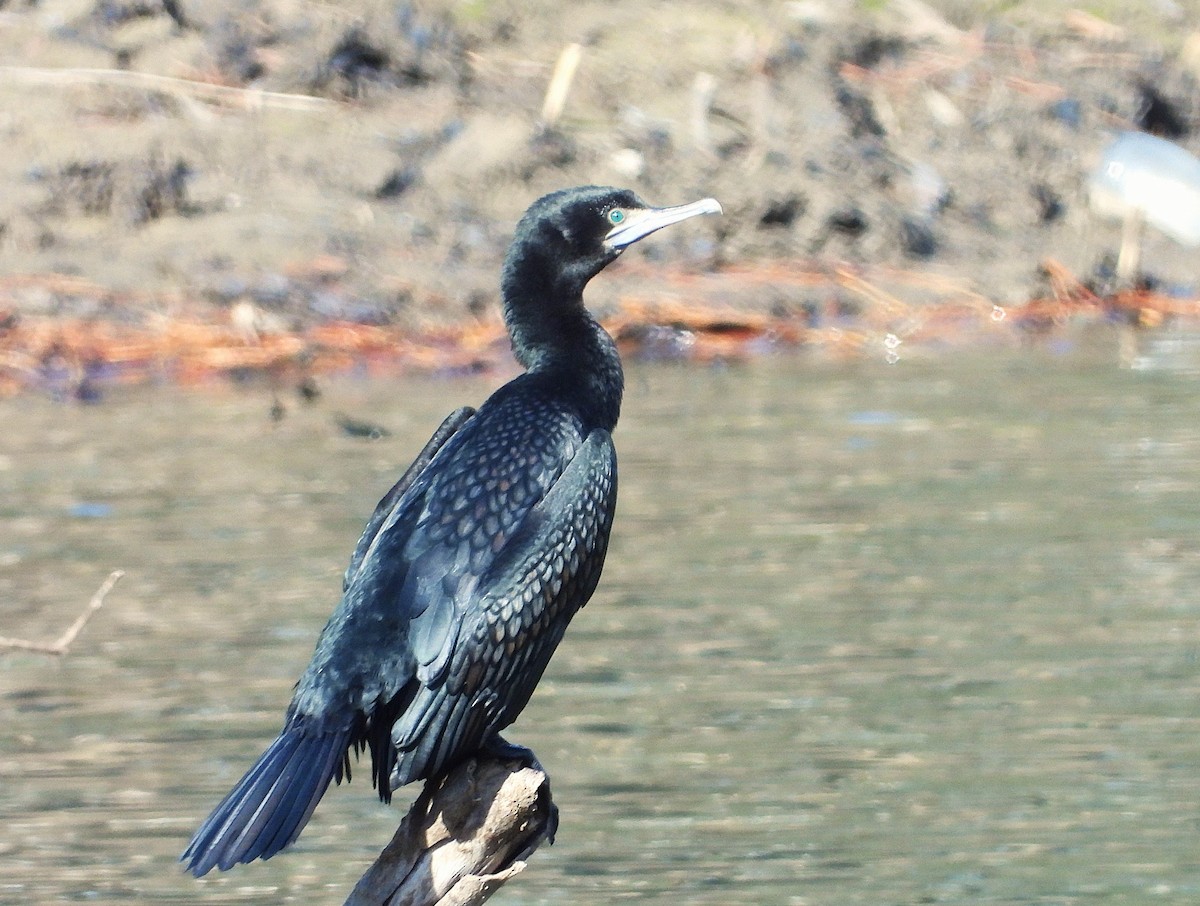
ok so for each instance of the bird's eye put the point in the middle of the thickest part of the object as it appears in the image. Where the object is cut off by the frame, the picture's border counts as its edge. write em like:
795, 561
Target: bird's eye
615, 216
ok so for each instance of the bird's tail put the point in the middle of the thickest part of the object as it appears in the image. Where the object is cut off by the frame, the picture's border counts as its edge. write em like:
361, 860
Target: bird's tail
270, 805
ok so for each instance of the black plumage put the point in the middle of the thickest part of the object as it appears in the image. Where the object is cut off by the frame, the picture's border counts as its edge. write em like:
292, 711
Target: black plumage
472, 565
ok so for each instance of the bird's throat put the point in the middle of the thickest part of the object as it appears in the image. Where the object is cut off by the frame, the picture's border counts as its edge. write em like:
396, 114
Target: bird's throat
571, 352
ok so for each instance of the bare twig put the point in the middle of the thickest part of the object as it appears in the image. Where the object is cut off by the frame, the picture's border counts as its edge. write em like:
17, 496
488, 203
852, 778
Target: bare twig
1129, 257
760, 118
704, 89
463, 838
560, 83
1092, 27
62, 644
246, 98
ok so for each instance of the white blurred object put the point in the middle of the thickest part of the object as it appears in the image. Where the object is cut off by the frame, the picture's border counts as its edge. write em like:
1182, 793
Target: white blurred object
1147, 179
628, 162
942, 109
928, 189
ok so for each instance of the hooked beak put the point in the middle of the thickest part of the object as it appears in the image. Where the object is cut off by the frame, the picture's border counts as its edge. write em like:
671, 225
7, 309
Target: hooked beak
639, 224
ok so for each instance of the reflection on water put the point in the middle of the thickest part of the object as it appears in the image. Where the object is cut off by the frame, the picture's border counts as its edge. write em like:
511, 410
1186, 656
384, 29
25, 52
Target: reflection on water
868, 634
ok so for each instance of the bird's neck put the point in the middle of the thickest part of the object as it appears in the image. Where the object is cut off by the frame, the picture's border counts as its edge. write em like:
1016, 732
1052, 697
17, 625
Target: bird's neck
553, 336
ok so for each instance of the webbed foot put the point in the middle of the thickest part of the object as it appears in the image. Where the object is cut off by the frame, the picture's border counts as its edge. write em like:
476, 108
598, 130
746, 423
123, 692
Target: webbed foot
498, 747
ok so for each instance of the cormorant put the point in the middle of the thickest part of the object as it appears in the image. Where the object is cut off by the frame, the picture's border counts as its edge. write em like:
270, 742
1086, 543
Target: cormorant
471, 566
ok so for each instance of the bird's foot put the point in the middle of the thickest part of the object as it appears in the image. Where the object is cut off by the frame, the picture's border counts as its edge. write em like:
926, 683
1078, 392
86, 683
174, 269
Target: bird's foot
498, 747
551, 817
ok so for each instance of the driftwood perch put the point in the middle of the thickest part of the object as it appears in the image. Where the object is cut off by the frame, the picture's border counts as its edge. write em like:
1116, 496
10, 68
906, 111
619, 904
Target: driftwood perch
466, 835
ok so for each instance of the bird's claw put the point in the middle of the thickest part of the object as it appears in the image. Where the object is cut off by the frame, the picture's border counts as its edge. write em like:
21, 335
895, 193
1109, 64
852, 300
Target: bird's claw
498, 747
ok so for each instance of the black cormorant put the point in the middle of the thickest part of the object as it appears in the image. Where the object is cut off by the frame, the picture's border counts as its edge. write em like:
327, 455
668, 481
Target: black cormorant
472, 565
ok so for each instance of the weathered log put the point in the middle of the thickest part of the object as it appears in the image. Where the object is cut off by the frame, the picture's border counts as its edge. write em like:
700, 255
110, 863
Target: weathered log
466, 834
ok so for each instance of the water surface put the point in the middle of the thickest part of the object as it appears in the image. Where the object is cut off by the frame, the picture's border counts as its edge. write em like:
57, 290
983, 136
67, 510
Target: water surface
874, 634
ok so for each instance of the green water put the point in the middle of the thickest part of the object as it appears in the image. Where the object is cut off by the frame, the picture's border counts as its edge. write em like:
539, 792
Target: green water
869, 634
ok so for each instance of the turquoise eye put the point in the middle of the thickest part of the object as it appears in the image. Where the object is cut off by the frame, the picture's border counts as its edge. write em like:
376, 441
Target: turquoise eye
616, 216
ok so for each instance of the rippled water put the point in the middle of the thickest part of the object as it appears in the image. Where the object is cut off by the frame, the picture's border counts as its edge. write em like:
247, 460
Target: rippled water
871, 634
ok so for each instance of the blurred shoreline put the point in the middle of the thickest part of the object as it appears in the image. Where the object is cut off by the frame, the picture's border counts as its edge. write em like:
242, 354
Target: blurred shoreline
196, 189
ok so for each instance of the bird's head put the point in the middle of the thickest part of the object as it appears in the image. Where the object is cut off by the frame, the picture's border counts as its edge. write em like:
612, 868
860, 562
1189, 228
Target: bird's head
572, 234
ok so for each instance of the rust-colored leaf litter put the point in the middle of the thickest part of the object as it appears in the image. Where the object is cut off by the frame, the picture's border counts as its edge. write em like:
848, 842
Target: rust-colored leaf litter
684, 316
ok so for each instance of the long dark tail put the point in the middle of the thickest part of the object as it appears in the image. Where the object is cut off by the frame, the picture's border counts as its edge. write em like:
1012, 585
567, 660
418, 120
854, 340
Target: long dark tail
270, 805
